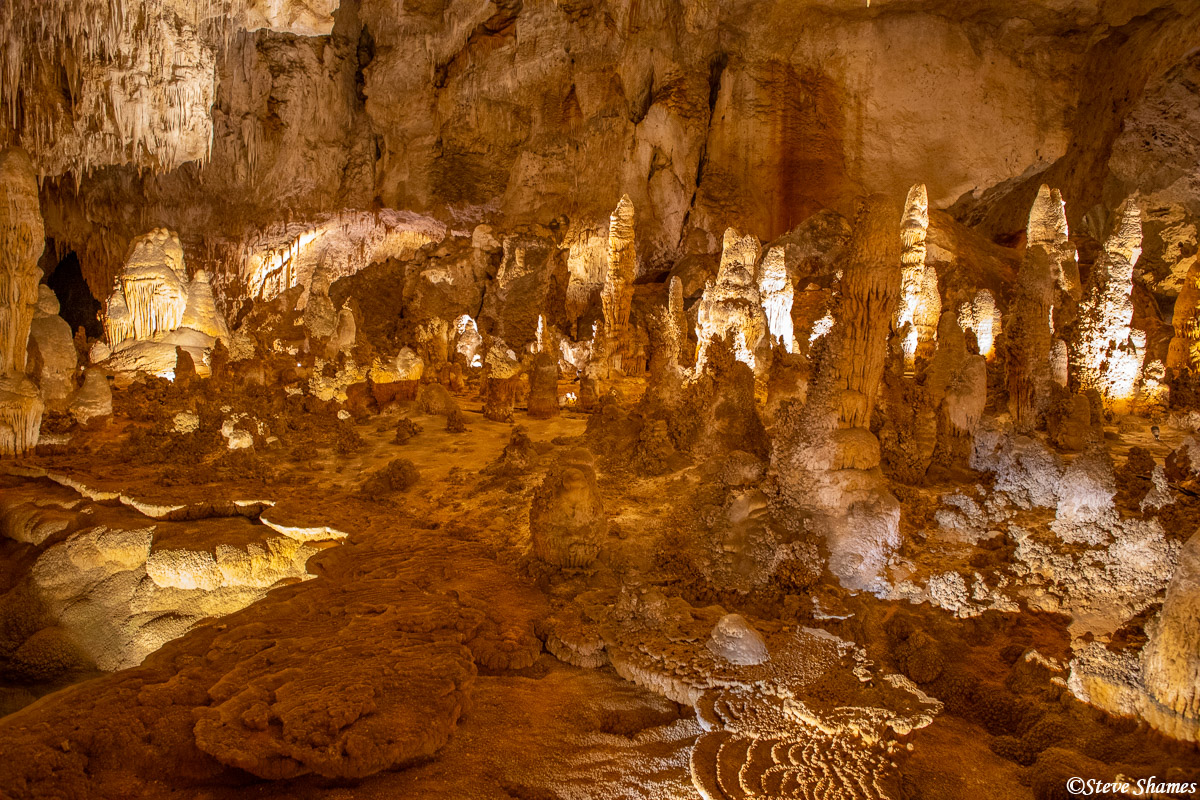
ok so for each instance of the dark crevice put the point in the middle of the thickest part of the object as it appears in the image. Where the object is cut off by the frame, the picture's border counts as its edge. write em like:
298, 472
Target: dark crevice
77, 305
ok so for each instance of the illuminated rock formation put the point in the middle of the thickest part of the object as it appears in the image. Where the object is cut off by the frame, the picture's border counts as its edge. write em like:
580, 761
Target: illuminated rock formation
731, 306
668, 345
566, 517
93, 400
824, 453
1107, 356
734, 640
151, 294
1030, 335
320, 315
21, 243
920, 305
518, 294
957, 380
1183, 353
201, 313
981, 317
775, 290
154, 308
502, 383
617, 295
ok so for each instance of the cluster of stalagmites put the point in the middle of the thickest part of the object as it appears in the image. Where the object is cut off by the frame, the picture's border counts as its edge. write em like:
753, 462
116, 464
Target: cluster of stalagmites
799, 397
154, 308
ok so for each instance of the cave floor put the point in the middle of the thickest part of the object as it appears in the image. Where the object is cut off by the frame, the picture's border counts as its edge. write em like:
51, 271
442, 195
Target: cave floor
528, 726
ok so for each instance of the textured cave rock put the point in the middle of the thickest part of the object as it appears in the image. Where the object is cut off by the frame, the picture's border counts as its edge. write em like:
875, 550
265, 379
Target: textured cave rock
591, 398
731, 307
1109, 358
566, 519
21, 240
1030, 335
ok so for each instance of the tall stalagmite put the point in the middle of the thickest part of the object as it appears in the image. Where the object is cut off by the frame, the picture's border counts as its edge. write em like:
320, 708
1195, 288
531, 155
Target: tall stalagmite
870, 292
731, 306
22, 240
1030, 337
617, 296
920, 305
1106, 356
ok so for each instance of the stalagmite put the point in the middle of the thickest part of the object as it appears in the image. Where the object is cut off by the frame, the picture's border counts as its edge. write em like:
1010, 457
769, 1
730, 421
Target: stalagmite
153, 285
543, 386
200, 313
775, 290
920, 305
617, 296
22, 240
957, 381
981, 317
93, 400
566, 516
1106, 357
731, 306
1183, 353
1030, 335
678, 321
320, 315
502, 383
1171, 659
154, 309
870, 292
56, 359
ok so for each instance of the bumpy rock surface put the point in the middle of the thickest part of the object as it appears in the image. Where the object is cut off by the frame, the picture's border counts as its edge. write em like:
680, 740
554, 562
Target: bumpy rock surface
566, 519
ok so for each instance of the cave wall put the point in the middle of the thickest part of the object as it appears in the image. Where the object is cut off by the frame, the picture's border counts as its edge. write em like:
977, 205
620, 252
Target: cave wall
707, 114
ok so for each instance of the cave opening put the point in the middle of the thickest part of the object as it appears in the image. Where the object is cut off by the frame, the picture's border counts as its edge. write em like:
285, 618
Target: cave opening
78, 306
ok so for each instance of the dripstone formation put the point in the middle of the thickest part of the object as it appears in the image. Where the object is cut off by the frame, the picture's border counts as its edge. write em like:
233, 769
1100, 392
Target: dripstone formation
591, 399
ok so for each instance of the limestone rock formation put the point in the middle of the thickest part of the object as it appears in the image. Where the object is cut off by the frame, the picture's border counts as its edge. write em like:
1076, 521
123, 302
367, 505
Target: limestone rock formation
502, 382
154, 308
1169, 661
52, 346
543, 386
567, 523
870, 293
21, 243
731, 306
775, 290
920, 305
981, 316
1107, 356
93, 400
817, 494
1030, 334
617, 295
735, 641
